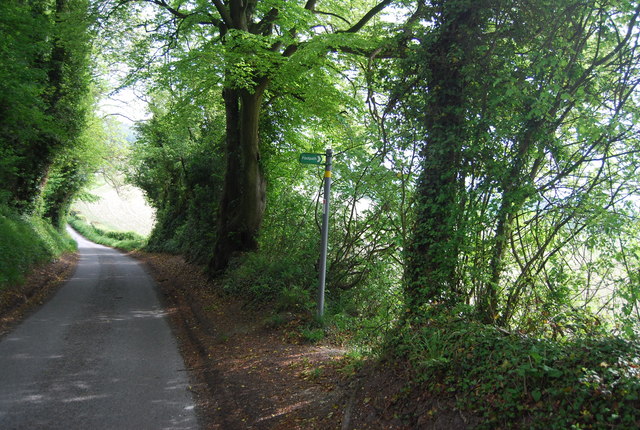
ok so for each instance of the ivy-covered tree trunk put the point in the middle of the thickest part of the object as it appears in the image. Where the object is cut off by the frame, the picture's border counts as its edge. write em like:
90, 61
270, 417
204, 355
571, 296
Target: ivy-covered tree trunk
38, 154
65, 84
64, 185
512, 140
31, 175
244, 190
431, 275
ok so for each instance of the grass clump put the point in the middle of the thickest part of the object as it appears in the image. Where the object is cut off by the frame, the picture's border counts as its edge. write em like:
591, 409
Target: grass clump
26, 241
513, 381
311, 334
127, 241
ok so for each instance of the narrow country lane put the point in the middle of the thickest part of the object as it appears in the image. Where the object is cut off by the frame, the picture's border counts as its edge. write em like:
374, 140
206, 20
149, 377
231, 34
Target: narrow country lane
99, 355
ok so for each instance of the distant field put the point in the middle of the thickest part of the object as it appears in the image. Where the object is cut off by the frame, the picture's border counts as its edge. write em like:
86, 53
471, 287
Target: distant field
119, 210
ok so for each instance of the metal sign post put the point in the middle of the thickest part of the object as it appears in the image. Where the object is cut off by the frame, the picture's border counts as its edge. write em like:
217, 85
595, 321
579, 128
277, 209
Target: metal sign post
311, 158
325, 232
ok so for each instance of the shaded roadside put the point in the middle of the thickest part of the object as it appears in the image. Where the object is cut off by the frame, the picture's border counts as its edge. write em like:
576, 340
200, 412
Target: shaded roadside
39, 285
250, 375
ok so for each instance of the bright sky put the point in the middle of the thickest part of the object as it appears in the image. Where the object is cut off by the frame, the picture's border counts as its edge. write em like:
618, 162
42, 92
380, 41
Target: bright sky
128, 105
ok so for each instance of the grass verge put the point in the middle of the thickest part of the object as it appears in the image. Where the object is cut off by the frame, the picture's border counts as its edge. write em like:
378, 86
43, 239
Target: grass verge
127, 241
26, 241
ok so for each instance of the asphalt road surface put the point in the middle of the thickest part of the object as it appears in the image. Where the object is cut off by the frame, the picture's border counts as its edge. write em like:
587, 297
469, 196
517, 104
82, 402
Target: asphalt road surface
99, 355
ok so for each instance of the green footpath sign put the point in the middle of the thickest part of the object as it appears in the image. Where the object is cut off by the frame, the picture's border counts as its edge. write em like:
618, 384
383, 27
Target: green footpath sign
308, 158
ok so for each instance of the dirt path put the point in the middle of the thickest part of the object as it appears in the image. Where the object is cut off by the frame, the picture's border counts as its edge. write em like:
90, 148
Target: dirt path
252, 376
249, 376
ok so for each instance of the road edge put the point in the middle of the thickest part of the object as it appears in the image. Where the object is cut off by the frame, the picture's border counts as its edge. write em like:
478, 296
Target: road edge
41, 283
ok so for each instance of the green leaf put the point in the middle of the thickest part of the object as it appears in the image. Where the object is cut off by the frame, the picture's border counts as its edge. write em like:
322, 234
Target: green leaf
536, 395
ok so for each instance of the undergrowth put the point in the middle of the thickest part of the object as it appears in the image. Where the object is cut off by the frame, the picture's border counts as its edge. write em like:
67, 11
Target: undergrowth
512, 381
127, 241
278, 282
287, 287
26, 241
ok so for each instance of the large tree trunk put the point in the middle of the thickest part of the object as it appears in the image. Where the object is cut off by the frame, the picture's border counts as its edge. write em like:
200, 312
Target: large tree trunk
431, 275
31, 177
244, 190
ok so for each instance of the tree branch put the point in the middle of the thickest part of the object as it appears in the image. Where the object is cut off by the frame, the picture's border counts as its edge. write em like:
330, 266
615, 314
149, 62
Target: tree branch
179, 14
389, 52
224, 13
320, 12
266, 23
175, 12
365, 19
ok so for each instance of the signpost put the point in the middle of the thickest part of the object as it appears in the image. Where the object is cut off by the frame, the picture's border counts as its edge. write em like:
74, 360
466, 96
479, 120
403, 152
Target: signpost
307, 158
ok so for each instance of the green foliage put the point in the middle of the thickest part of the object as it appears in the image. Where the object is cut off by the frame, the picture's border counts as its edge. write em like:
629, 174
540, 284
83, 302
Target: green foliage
352, 362
73, 170
294, 299
369, 212
263, 278
513, 381
22, 83
177, 162
127, 241
26, 241
44, 87
312, 335
528, 149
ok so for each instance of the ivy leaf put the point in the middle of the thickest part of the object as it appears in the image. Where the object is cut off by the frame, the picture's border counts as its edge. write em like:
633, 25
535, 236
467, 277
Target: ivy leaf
536, 395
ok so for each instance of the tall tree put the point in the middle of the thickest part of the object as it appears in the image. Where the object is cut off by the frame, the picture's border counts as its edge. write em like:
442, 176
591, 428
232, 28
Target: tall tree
432, 258
253, 40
